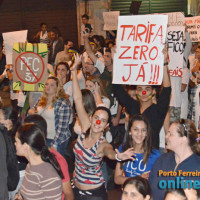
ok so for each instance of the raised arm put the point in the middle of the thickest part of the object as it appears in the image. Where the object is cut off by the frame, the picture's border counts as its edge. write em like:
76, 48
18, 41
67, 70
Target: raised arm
77, 96
131, 105
89, 49
166, 78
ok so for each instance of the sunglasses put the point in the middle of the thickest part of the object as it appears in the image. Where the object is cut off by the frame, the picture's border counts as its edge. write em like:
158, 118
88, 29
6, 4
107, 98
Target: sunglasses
182, 122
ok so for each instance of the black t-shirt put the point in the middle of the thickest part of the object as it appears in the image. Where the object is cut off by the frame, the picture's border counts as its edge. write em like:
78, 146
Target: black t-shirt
155, 113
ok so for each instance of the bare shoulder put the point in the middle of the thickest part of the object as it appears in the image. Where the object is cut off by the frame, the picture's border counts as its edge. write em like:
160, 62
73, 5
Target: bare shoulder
104, 144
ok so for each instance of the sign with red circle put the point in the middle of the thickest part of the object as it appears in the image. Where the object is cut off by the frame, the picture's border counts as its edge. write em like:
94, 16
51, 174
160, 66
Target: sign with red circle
24, 67
30, 66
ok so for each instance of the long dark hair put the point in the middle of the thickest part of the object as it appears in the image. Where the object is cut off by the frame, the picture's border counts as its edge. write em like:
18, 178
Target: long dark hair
88, 101
103, 109
147, 143
68, 76
34, 137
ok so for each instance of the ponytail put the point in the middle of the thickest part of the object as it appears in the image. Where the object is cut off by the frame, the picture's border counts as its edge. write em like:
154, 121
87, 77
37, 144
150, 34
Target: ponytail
34, 137
47, 156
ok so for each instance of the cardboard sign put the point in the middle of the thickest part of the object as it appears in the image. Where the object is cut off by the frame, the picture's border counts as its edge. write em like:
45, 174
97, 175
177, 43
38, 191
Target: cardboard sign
30, 66
175, 18
193, 27
139, 59
110, 20
175, 42
9, 39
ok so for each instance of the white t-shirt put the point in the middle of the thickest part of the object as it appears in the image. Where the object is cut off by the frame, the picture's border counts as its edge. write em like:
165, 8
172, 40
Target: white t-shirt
68, 90
184, 95
48, 114
175, 100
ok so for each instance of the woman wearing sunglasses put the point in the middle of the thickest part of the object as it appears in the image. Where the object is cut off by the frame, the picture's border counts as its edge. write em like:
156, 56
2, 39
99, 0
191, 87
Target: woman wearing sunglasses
171, 169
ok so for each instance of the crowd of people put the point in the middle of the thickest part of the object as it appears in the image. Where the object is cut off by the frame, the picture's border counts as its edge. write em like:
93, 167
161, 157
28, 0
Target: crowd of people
148, 132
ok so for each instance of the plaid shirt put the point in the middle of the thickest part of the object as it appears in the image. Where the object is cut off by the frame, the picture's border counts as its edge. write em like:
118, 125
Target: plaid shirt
62, 111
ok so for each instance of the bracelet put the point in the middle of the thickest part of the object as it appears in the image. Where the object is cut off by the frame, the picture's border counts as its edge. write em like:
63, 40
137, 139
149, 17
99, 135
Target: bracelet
117, 158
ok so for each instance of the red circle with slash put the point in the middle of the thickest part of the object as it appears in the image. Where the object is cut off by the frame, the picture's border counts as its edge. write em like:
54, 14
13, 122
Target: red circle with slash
31, 71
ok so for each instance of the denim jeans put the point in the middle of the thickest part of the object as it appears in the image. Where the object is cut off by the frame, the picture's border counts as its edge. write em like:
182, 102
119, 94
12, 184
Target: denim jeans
61, 148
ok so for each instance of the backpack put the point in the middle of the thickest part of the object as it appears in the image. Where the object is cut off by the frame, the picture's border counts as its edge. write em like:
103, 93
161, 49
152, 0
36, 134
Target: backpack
11, 162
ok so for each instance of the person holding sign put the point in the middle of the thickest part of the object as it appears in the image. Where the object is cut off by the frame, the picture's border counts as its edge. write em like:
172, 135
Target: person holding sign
155, 113
56, 109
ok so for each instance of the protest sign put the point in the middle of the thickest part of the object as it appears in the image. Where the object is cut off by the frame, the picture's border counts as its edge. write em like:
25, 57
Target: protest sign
110, 20
9, 39
30, 66
174, 18
175, 42
193, 27
139, 59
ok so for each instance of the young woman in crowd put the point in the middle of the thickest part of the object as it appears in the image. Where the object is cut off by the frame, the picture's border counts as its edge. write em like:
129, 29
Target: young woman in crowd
136, 188
95, 86
139, 137
91, 147
67, 192
183, 142
56, 110
63, 73
43, 174
89, 105
155, 113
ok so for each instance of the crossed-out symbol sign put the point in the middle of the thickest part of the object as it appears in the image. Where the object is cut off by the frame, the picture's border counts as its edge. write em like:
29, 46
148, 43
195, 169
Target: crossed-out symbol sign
29, 67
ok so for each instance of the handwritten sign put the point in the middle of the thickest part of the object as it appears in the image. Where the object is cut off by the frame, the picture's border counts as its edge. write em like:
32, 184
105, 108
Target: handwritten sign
9, 39
139, 59
30, 71
175, 18
175, 42
193, 26
110, 20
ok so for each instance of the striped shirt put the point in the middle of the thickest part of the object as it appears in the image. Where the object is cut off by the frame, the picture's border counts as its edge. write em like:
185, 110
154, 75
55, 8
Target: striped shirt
41, 182
88, 163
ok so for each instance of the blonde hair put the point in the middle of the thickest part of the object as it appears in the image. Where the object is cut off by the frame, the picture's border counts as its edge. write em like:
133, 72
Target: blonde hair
59, 93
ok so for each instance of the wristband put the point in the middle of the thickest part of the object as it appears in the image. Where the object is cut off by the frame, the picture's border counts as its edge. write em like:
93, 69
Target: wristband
117, 158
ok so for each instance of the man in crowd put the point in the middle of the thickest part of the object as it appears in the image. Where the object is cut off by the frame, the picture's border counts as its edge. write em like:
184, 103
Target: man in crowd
85, 25
56, 45
64, 55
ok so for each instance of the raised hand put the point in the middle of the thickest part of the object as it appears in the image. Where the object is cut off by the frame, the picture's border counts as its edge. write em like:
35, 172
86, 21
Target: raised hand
127, 155
77, 62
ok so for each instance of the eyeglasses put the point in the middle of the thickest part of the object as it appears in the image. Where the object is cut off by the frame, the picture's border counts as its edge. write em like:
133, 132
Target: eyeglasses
182, 122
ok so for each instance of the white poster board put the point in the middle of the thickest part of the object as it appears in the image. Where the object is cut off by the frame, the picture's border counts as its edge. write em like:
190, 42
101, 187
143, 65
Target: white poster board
139, 59
9, 39
175, 41
110, 20
193, 27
